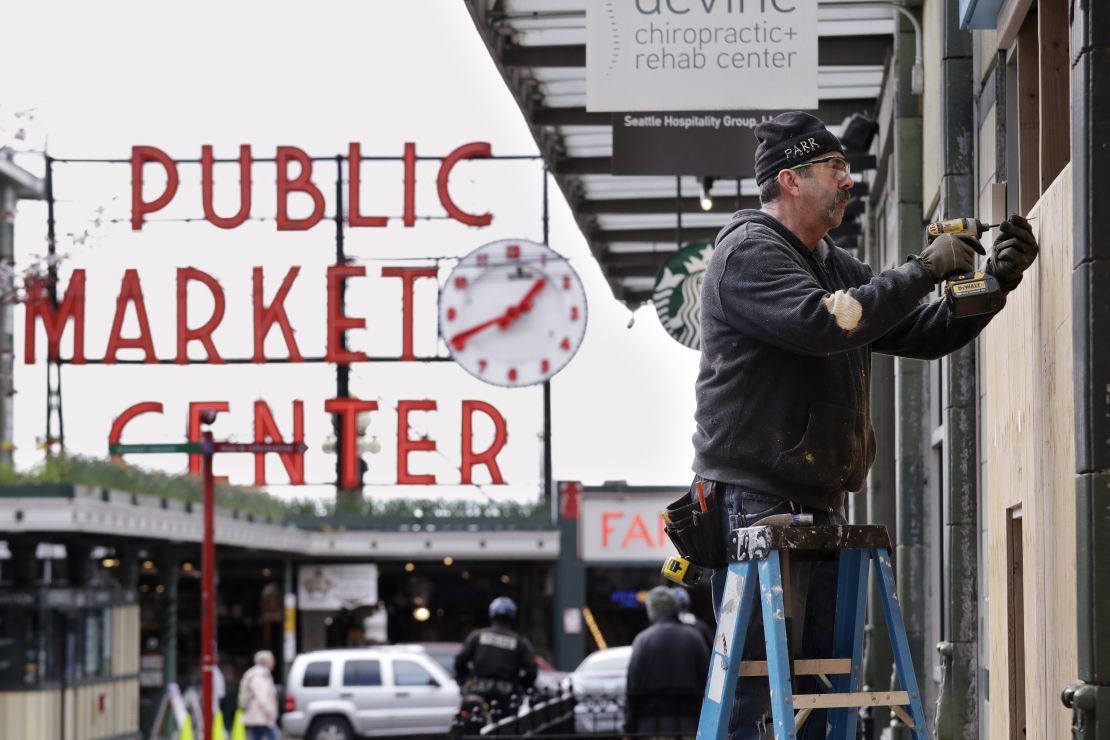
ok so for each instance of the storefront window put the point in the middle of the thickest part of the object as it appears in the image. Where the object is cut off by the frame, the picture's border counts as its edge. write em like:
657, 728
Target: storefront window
106, 642
19, 647
92, 643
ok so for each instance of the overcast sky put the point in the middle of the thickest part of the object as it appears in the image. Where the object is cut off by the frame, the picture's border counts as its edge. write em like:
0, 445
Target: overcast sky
316, 77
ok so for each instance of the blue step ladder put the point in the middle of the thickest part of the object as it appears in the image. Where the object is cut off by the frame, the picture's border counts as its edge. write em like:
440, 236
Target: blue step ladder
754, 556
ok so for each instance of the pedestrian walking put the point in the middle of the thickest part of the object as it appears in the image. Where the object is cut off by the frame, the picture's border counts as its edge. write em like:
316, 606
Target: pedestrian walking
788, 324
667, 671
258, 698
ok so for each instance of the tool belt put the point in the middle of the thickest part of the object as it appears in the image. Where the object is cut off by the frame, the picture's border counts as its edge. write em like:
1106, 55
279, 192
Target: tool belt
697, 532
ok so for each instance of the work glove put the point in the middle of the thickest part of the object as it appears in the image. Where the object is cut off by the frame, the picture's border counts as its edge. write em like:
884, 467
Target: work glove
949, 255
1013, 252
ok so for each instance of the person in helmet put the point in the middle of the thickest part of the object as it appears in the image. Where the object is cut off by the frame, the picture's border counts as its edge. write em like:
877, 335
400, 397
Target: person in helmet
496, 661
687, 616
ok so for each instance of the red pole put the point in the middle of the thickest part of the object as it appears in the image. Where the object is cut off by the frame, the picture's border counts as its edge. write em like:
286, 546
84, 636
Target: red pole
207, 587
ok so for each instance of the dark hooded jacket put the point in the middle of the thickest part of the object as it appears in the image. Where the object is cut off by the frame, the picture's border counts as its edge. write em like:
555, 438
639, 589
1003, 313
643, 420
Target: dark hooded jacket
786, 340
499, 654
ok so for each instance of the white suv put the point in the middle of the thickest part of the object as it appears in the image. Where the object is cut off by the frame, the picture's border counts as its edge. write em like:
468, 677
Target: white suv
368, 692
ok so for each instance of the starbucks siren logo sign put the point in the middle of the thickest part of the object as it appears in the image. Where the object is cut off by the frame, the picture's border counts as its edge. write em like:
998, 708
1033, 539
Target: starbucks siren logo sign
677, 295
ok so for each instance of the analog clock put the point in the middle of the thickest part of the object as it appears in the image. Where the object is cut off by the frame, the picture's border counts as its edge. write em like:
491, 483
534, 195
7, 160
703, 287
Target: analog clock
513, 312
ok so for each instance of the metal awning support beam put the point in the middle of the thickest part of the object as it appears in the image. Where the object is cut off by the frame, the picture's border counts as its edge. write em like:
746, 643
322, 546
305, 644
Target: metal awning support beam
830, 111
721, 204
604, 166
830, 50
664, 236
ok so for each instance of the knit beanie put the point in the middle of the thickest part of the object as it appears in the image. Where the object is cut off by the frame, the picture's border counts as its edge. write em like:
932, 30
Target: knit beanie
789, 139
661, 604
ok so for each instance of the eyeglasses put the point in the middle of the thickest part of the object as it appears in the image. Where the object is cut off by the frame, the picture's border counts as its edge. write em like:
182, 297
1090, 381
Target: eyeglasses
840, 164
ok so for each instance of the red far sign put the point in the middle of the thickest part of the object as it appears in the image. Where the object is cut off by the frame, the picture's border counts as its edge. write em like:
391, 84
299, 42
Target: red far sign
624, 528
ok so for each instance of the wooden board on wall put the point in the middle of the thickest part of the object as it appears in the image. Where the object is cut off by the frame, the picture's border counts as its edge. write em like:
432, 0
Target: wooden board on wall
1028, 427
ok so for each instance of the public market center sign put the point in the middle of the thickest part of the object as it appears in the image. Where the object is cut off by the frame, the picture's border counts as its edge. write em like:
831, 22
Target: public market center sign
51, 307
686, 55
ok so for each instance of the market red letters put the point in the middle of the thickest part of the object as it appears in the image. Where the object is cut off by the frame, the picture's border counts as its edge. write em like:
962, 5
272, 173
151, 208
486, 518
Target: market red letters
38, 304
338, 322
130, 291
201, 334
408, 276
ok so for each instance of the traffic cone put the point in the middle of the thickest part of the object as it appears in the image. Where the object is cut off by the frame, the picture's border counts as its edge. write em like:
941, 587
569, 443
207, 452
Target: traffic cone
218, 732
187, 728
238, 729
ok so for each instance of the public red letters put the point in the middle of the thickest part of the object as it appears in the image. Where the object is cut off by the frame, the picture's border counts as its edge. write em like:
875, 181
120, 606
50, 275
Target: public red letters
207, 161
294, 177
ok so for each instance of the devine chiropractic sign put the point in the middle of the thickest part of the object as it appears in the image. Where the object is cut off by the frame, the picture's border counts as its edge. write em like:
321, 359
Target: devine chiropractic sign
688, 55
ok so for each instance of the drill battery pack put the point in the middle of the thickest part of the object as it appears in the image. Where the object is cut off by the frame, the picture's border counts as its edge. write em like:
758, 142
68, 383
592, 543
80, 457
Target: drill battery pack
973, 294
694, 524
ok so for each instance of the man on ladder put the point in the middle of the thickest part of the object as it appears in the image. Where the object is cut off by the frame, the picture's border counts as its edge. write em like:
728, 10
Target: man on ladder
788, 324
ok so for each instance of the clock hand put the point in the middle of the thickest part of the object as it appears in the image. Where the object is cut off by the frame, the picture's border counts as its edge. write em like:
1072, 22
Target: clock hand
459, 340
512, 313
525, 304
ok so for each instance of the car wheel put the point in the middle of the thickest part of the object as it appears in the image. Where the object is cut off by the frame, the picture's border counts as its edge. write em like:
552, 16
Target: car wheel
331, 728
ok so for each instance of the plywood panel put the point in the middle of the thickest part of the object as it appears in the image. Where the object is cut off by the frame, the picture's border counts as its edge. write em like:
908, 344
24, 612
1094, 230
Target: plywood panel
1028, 418
1055, 93
125, 640
1028, 176
932, 112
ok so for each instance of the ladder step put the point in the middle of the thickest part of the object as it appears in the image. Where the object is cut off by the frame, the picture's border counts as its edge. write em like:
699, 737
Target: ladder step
826, 666
862, 699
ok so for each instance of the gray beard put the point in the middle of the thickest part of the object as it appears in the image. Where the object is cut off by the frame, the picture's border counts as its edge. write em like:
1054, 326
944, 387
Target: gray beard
830, 214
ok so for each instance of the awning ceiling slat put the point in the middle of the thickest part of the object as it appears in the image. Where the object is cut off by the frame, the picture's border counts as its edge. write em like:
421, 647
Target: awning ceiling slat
630, 222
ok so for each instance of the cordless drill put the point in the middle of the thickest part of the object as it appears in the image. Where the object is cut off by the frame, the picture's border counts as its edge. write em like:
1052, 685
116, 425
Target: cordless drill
974, 293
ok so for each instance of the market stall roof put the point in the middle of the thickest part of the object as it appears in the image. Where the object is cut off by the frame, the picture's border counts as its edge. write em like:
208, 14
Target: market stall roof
633, 223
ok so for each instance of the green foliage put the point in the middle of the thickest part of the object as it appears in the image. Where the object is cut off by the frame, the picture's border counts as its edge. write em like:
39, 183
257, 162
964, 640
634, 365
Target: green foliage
97, 473
72, 469
9, 476
419, 508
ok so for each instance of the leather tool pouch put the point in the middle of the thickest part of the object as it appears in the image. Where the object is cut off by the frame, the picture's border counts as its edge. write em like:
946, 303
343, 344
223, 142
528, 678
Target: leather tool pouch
698, 535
